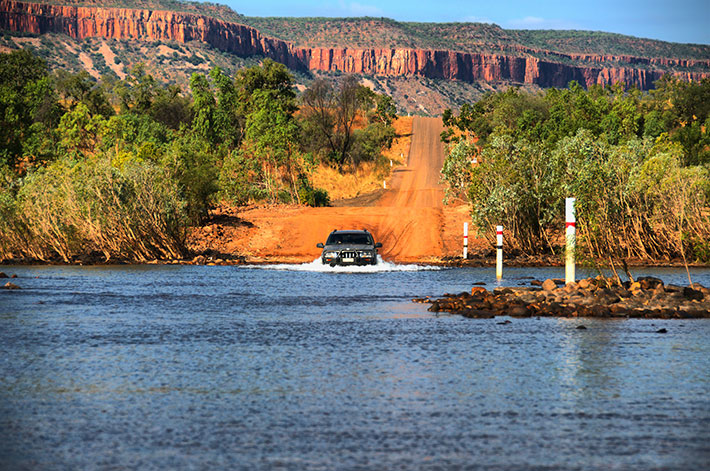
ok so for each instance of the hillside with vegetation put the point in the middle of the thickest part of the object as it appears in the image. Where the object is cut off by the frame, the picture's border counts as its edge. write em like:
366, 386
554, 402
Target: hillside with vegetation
465, 37
425, 67
173, 63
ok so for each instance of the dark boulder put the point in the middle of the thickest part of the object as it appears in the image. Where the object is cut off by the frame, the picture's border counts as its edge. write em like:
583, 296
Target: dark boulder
649, 282
690, 293
478, 291
519, 311
599, 310
618, 310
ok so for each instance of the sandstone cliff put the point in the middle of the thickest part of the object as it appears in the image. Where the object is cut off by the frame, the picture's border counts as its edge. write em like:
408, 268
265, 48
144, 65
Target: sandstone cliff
521, 65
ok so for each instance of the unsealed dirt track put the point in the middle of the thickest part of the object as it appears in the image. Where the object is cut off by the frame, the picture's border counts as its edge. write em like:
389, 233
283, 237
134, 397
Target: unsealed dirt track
409, 218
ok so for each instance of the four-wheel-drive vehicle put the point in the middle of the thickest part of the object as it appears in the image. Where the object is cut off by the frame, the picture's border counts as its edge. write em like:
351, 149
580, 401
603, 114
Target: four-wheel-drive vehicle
349, 248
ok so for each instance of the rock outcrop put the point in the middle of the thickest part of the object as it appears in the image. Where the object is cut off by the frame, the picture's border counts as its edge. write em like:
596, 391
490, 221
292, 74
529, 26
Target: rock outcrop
648, 297
522, 65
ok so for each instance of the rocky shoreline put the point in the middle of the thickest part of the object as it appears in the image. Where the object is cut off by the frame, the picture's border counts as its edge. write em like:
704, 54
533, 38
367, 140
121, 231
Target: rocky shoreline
647, 297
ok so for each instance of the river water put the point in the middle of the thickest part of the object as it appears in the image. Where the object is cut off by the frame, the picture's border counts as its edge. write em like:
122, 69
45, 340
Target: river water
306, 367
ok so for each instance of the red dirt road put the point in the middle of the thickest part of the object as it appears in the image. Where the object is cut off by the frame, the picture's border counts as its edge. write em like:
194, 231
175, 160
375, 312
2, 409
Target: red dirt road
409, 218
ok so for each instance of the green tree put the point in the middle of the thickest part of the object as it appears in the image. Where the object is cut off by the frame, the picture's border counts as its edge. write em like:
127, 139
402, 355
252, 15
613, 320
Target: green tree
130, 132
228, 121
79, 132
82, 88
329, 115
171, 107
203, 108
386, 111
137, 91
28, 106
269, 75
193, 166
267, 99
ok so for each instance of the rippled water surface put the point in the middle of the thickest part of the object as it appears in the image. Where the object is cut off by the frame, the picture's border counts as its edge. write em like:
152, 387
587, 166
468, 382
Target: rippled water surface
170, 367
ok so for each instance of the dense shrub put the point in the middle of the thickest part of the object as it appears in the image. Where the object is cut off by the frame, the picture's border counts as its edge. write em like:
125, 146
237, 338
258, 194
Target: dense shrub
70, 208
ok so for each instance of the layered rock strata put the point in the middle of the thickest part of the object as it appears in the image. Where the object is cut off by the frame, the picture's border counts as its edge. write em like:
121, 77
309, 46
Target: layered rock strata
523, 65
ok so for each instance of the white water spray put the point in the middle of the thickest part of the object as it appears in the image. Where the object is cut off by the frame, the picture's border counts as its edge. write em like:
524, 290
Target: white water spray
317, 266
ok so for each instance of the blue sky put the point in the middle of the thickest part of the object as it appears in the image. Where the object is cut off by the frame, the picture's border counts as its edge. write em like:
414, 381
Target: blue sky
686, 21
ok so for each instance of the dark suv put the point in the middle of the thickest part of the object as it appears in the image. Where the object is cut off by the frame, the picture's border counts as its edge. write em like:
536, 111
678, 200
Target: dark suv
349, 248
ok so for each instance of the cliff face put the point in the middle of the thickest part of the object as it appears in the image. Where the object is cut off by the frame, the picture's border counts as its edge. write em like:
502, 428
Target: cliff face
119, 23
522, 66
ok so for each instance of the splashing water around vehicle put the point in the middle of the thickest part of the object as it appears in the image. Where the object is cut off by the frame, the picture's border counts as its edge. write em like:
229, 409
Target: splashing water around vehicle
317, 266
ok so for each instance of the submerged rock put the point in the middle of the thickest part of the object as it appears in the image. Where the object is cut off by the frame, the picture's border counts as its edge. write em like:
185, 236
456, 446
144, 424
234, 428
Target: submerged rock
9, 285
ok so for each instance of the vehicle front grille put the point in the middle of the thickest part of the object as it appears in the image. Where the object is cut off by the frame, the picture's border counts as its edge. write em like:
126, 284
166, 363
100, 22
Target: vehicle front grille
348, 254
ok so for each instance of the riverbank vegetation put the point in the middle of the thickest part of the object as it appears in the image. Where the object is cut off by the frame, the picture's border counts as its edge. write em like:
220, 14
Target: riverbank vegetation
638, 165
122, 168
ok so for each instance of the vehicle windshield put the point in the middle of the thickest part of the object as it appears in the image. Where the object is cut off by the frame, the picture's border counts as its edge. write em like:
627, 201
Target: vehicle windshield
353, 239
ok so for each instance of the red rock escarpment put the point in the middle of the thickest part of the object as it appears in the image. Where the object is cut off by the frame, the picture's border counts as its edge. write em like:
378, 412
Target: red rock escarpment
472, 67
521, 66
148, 25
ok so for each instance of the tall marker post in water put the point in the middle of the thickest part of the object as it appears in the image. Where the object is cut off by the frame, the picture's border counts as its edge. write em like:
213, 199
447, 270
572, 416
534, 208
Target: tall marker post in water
571, 238
499, 252
465, 240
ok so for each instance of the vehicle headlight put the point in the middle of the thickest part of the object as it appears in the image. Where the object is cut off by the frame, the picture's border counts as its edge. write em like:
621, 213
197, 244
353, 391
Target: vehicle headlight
330, 254
365, 253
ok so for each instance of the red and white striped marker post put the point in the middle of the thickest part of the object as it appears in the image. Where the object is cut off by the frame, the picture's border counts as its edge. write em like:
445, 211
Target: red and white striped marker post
499, 252
571, 238
465, 240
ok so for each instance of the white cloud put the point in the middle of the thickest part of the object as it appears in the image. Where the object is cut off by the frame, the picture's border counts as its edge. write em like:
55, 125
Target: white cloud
358, 9
534, 22
478, 19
